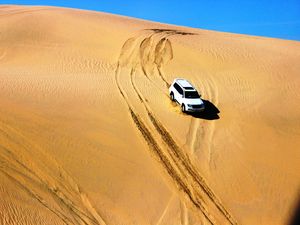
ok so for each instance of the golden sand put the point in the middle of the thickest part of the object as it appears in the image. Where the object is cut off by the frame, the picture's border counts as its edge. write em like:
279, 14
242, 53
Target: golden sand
88, 134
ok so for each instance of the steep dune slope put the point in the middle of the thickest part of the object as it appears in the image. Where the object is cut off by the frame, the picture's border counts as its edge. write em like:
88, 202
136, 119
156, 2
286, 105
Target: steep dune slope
88, 134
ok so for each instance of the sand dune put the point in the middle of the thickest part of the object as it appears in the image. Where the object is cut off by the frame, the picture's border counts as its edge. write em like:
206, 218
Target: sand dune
88, 134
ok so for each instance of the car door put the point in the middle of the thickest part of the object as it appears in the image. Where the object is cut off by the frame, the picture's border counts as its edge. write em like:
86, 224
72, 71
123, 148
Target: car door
180, 98
176, 91
179, 92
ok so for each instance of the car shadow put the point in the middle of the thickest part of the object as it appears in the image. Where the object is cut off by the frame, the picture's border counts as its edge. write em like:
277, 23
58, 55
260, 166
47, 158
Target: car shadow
295, 219
211, 112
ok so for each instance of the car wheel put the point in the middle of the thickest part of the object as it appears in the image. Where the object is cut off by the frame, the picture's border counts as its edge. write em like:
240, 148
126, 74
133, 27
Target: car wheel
183, 108
172, 97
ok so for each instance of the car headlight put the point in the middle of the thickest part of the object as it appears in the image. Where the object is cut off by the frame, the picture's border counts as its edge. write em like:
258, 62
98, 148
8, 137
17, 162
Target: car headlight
189, 105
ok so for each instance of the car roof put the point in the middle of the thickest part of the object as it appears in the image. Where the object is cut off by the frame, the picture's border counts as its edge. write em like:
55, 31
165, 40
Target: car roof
185, 84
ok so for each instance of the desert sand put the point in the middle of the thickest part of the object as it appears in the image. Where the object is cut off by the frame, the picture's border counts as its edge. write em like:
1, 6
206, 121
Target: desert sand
88, 134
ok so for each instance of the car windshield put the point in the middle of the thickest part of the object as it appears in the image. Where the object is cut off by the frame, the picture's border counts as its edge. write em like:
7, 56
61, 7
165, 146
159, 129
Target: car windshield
191, 94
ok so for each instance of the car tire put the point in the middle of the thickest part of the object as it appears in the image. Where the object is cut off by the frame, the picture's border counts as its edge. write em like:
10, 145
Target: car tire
172, 97
183, 108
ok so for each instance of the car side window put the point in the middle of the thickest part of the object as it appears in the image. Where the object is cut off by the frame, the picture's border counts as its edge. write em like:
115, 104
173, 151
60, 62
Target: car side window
176, 86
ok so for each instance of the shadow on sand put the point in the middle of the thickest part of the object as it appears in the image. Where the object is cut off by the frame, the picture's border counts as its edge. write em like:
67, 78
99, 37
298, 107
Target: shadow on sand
210, 113
295, 220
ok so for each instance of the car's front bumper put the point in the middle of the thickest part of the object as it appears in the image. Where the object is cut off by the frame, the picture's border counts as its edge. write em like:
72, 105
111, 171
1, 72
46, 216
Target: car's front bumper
192, 109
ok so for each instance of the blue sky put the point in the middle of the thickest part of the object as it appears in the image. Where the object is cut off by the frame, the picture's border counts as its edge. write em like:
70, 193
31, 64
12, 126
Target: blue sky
272, 18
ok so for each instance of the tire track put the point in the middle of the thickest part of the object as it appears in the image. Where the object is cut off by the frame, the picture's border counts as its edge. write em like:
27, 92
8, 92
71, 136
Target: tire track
212, 92
194, 134
150, 53
211, 130
166, 136
159, 54
159, 153
168, 166
188, 166
176, 163
163, 53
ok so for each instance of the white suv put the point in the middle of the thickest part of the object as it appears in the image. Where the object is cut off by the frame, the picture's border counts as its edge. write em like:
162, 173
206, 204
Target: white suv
186, 96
